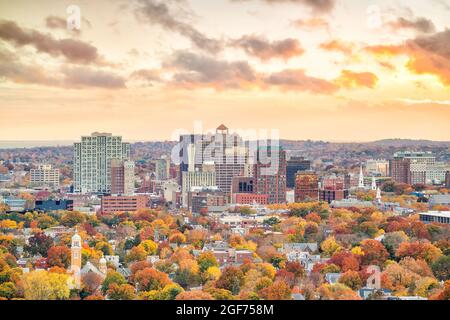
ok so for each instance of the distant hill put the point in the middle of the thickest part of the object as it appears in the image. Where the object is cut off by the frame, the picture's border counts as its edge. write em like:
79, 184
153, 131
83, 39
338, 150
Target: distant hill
410, 143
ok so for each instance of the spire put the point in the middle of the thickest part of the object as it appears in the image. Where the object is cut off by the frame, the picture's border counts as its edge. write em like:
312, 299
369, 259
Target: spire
374, 184
378, 195
361, 178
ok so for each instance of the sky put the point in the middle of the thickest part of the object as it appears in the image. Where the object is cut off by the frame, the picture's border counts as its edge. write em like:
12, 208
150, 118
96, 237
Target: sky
335, 70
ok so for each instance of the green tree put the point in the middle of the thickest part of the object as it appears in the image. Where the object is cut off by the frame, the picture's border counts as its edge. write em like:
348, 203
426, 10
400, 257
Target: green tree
441, 268
112, 277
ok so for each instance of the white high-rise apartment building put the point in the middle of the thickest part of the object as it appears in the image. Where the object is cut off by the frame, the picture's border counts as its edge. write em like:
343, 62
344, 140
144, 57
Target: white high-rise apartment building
92, 161
44, 176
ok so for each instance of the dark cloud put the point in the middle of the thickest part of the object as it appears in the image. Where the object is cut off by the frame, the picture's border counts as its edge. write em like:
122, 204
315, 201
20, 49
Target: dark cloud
422, 25
73, 50
14, 70
156, 12
54, 22
296, 79
192, 70
11, 69
265, 50
147, 75
438, 43
198, 71
318, 6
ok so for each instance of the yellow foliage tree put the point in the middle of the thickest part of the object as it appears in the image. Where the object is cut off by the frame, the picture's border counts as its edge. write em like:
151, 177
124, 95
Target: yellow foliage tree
42, 285
330, 246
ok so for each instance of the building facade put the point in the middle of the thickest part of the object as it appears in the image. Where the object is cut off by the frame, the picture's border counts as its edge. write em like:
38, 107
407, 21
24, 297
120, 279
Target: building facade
196, 179
270, 173
411, 167
122, 177
306, 186
377, 167
44, 176
294, 165
111, 204
162, 167
92, 161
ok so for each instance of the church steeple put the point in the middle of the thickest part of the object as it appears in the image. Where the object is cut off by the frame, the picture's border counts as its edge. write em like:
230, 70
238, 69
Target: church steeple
75, 262
378, 195
374, 184
361, 178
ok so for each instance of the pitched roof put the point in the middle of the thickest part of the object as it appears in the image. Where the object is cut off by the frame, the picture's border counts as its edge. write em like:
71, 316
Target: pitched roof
222, 127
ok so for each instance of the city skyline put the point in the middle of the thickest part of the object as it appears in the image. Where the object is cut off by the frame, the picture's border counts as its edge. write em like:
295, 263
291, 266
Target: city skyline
298, 66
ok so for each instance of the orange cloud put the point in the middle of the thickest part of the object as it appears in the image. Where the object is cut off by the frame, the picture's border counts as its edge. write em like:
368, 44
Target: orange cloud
351, 79
427, 54
313, 24
338, 46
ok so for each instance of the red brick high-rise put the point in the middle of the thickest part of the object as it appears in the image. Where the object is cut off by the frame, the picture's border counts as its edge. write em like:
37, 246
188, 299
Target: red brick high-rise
400, 170
270, 174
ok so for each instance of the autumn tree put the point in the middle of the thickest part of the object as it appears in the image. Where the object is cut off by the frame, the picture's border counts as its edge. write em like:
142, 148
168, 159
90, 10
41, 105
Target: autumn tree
419, 250
121, 292
374, 252
151, 279
206, 260
136, 254
194, 295
346, 260
441, 268
91, 282
59, 256
104, 247
330, 246
39, 243
337, 291
8, 290
42, 285
351, 279
112, 277
279, 290
72, 218
231, 279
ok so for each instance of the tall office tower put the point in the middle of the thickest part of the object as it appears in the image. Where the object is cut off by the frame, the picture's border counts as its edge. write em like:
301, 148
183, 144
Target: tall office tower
221, 147
270, 173
190, 152
92, 161
122, 177
162, 167
306, 186
418, 163
379, 167
44, 176
294, 165
196, 179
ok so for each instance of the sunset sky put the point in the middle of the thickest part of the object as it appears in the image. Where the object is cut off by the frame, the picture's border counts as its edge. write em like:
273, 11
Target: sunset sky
339, 70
